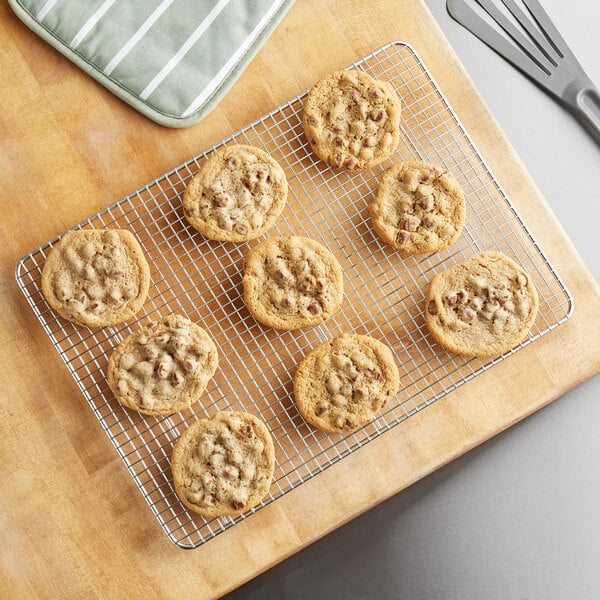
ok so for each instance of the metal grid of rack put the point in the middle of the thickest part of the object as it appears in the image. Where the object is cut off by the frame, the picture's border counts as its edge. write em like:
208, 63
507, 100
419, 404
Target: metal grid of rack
384, 294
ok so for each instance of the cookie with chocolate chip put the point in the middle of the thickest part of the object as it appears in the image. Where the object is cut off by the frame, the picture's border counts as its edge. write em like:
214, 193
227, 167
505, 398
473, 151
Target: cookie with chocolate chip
223, 466
237, 195
96, 277
343, 383
291, 282
418, 208
351, 120
162, 368
483, 306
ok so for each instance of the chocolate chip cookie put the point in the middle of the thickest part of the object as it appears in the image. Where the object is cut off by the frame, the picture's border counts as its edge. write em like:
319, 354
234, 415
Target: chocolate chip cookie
343, 383
96, 277
483, 306
238, 194
163, 368
351, 120
223, 465
291, 282
418, 208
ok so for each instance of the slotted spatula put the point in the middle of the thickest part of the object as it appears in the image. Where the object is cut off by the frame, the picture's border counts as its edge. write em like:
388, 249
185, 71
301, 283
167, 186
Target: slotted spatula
526, 37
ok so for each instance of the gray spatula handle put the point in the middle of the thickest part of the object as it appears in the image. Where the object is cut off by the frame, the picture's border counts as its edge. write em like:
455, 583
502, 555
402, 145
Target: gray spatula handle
582, 97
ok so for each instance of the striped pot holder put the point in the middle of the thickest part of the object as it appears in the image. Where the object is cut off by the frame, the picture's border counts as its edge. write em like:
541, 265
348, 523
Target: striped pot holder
172, 60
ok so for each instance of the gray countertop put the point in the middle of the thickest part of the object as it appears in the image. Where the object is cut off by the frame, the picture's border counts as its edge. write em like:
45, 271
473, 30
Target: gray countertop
519, 516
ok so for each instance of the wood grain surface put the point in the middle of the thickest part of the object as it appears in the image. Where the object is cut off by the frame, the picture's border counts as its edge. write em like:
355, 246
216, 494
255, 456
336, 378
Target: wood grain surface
73, 523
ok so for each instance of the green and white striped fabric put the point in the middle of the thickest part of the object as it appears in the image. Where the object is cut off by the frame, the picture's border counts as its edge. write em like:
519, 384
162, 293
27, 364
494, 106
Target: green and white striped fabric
172, 60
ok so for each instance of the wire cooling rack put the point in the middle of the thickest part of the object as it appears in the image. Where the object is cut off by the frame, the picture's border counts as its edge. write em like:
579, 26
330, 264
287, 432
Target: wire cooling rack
384, 294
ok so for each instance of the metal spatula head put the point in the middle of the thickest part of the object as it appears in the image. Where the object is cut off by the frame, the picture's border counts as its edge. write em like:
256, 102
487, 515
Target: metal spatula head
522, 33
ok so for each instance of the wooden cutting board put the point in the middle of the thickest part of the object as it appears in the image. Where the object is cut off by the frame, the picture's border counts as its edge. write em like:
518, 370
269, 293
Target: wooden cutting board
73, 522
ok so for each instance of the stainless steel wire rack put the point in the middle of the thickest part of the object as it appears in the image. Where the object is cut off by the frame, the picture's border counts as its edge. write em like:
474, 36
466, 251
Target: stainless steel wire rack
384, 294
